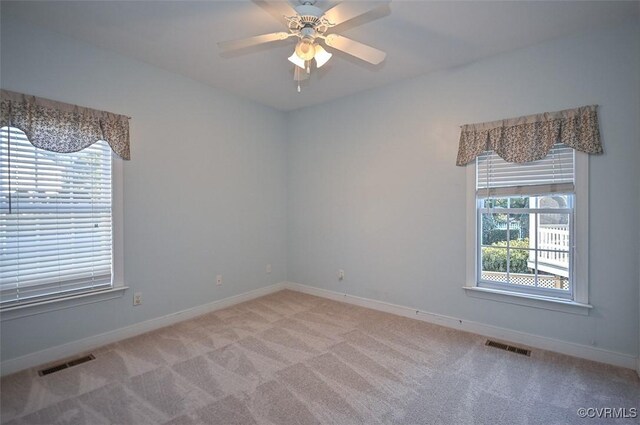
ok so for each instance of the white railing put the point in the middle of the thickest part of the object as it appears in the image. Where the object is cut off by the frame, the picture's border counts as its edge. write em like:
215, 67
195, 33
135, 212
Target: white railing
555, 239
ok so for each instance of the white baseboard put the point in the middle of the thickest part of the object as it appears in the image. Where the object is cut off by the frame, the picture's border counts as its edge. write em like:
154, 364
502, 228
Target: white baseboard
86, 344
508, 335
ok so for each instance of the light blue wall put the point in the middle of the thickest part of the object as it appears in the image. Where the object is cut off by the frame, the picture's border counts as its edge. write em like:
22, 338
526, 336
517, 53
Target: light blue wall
214, 188
205, 190
374, 190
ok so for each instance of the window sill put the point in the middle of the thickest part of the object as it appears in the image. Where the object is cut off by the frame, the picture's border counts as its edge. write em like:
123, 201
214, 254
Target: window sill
46, 306
536, 301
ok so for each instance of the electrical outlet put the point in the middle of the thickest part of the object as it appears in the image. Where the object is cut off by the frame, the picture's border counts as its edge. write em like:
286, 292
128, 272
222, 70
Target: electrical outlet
219, 279
340, 274
268, 268
137, 298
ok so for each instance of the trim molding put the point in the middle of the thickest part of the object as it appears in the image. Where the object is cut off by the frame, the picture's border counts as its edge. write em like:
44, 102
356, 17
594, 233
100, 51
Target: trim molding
535, 341
528, 300
62, 303
86, 344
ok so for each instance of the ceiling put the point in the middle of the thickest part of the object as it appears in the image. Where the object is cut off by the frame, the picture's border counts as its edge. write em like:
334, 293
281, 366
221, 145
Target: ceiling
418, 36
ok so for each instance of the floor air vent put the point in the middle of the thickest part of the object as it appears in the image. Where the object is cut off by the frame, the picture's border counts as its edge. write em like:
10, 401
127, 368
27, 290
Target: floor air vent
66, 365
506, 347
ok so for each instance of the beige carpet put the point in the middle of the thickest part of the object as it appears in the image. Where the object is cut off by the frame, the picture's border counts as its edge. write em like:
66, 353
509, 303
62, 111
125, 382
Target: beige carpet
290, 358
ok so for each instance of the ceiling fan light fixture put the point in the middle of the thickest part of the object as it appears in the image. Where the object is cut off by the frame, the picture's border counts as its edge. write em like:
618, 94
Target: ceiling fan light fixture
309, 24
322, 56
305, 49
297, 61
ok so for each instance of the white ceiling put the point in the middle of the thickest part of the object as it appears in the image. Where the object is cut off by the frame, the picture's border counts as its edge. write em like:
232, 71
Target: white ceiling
418, 36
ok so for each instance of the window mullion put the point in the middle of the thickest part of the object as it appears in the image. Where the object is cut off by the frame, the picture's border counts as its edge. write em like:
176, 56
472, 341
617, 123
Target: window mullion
508, 241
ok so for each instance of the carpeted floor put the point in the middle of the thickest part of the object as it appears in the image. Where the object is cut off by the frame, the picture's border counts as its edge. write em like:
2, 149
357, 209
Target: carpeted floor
290, 358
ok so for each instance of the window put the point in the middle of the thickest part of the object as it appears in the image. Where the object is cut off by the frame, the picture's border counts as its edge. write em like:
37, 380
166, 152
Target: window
56, 221
526, 239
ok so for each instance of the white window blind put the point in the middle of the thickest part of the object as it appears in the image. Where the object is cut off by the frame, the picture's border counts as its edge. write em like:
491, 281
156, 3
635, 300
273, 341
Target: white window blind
55, 220
552, 174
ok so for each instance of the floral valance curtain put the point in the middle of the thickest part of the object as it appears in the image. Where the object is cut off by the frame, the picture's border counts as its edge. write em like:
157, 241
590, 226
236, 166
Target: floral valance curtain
530, 138
62, 127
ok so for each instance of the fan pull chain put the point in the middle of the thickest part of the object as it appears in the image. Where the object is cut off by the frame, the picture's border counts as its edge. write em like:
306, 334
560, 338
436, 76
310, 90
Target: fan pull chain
298, 86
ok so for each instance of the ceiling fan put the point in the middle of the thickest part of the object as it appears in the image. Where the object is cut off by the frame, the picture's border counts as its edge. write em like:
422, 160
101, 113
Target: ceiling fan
312, 27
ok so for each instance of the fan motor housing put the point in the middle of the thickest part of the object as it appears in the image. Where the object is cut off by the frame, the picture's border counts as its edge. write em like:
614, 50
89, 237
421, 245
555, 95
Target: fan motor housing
308, 32
308, 11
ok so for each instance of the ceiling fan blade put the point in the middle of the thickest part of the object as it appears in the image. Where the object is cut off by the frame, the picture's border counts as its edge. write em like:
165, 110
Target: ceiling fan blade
252, 41
355, 48
277, 8
348, 10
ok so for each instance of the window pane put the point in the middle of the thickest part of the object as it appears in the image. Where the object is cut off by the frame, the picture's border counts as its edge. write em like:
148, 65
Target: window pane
556, 262
519, 202
553, 281
552, 201
553, 234
519, 230
494, 229
496, 203
519, 271
494, 264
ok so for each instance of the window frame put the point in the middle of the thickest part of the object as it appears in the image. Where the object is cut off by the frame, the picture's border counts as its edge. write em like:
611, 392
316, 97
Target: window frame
117, 261
579, 302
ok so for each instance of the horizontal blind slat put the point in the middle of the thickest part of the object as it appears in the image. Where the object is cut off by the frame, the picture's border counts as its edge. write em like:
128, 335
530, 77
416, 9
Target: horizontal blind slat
55, 219
557, 169
10, 297
52, 281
